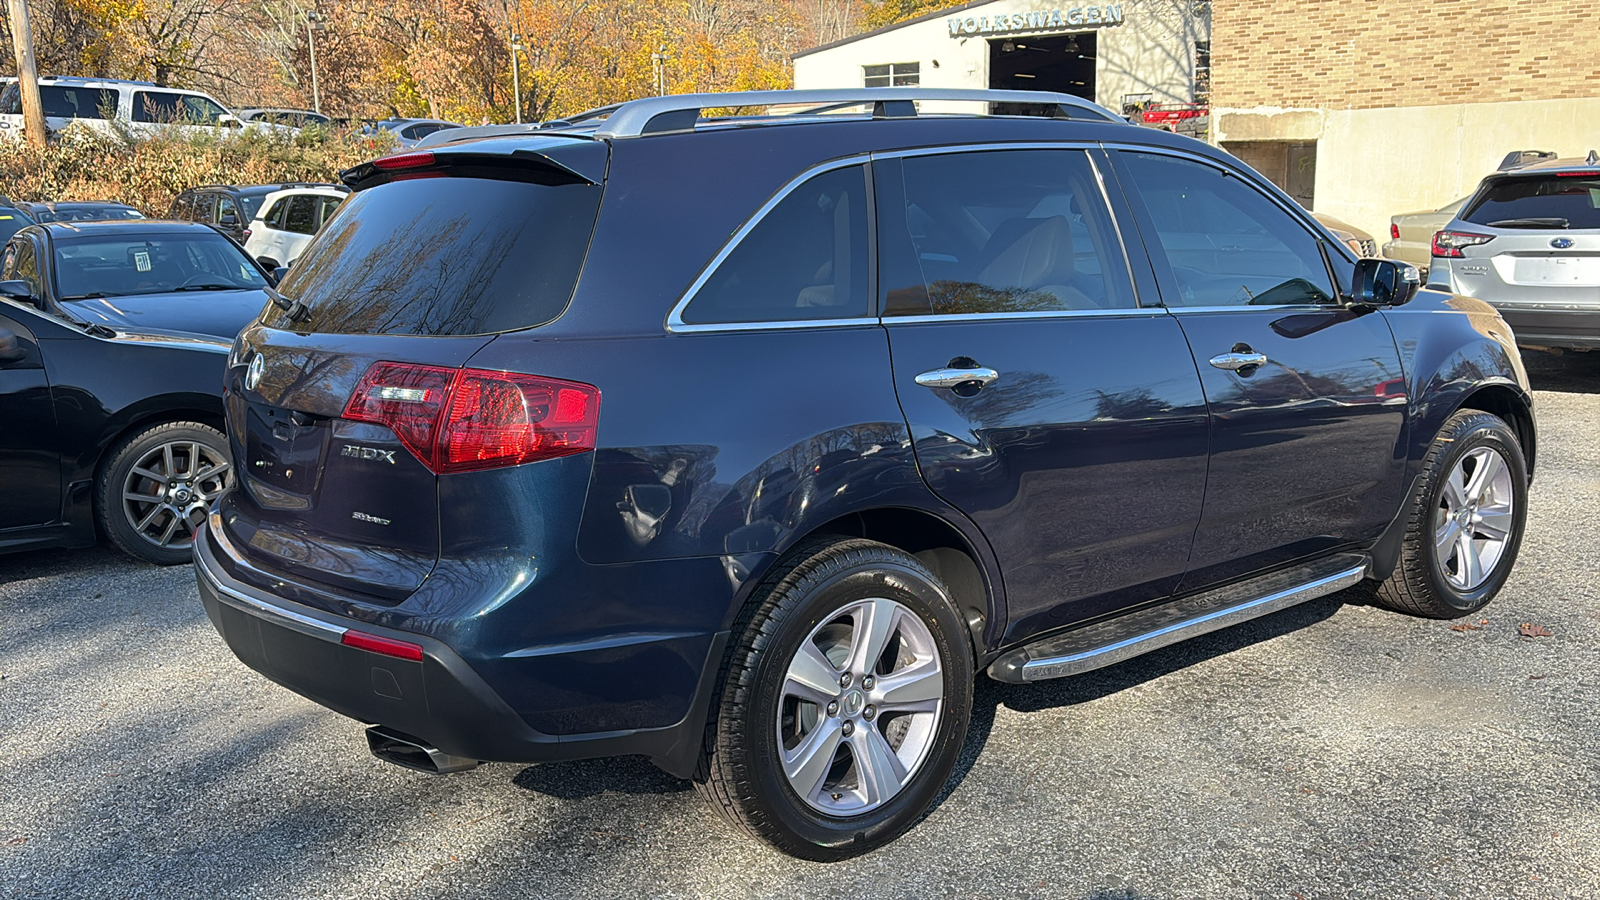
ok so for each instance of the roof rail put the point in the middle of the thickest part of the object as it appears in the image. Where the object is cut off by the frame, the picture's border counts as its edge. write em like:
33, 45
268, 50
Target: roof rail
680, 112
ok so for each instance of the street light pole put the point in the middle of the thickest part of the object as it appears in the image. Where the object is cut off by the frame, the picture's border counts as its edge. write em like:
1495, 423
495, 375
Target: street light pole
311, 43
516, 74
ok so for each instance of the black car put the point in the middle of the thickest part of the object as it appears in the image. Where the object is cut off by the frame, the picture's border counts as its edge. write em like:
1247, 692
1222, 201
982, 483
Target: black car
148, 275
12, 219
227, 207
115, 431
746, 443
79, 211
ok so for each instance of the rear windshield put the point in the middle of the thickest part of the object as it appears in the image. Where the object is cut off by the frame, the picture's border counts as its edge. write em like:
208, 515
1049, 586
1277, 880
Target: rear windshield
1549, 201
444, 256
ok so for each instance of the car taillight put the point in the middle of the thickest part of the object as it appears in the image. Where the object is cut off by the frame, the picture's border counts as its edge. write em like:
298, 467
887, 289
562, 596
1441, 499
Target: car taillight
1450, 243
460, 420
247, 233
404, 160
1394, 232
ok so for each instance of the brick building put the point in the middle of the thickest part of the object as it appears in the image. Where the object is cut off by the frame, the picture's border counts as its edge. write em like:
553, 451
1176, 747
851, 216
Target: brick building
1366, 108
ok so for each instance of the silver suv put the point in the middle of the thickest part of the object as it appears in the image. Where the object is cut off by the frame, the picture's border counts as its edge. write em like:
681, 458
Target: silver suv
1528, 242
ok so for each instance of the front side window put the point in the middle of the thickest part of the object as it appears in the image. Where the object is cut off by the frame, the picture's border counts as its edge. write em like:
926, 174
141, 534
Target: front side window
302, 215
274, 216
226, 209
129, 265
907, 74
330, 205
201, 111
805, 260
22, 265
1227, 243
157, 106
1003, 231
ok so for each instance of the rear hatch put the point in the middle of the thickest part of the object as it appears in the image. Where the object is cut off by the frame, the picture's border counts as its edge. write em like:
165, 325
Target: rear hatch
431, 257
1542, 246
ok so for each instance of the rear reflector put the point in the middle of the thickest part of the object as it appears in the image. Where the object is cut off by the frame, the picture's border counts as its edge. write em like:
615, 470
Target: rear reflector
460, 420
383, 645
404, 161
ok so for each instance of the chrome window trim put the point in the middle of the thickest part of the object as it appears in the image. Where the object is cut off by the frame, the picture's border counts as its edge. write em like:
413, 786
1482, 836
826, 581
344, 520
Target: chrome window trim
1130, 312
1245, 307
675, 323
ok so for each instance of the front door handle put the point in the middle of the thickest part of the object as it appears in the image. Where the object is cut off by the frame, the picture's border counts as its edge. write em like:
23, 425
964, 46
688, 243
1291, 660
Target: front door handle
1243, 362
950, 378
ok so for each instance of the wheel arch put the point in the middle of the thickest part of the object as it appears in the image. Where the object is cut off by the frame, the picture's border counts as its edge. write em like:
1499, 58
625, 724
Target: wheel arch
1514, 407
205, 409
962, 561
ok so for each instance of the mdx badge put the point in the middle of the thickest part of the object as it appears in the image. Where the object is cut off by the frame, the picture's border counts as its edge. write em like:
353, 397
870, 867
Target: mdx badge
252, 376
366, 452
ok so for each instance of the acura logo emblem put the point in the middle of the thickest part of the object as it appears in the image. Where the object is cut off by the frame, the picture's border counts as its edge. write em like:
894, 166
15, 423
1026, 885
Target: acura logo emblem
252, 376
1561, 243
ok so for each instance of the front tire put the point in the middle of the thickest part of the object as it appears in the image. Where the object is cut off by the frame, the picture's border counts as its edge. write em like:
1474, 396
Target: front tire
154, 491
844, 702
1466, 520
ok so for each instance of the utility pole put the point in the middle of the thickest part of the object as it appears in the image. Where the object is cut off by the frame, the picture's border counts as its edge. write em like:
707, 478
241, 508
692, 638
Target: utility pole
27, 76
516, 74
658, 62
313, 25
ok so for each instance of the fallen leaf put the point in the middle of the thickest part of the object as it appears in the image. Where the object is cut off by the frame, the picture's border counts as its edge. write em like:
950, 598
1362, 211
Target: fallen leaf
1530, 630
19, 839
1465, 627
1483, 621
1537, 677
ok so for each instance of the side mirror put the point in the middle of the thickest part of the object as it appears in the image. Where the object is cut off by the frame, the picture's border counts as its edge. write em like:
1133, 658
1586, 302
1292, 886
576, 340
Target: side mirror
229, 221
278, 273
17, 290
228, 121
1384, 282
11, 350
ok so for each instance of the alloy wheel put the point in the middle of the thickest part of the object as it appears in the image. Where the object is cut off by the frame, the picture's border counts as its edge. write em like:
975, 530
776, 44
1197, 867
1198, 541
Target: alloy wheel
169, 489
1475, 517
860, 707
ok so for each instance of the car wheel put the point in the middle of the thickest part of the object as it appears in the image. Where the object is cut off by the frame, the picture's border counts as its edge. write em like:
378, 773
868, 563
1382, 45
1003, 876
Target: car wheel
1466, 520
155, 489
844, 702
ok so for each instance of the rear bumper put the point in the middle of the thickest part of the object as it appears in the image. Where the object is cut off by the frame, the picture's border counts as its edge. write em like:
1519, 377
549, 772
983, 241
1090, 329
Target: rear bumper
440, 699
1553, 327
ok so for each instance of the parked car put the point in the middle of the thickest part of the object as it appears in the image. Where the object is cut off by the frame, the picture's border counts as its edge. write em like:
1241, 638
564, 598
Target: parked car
655, 436
138, 276
12, 219
1411, 234
1528, 242
79, 210
287, 220
228, 207
408, 131
137, 108
108, 429
294, 118
1360, 242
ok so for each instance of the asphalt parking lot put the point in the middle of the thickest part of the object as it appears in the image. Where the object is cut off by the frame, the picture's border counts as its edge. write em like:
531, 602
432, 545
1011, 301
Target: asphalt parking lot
1333, 750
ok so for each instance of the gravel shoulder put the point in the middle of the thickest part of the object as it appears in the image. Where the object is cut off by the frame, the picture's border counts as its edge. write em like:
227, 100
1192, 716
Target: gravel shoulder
1332, 750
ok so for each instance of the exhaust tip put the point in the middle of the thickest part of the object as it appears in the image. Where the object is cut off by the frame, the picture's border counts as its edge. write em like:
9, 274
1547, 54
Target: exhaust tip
413, 753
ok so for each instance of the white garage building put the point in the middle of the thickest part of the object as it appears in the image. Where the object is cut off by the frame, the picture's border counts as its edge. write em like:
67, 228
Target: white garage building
1128, 56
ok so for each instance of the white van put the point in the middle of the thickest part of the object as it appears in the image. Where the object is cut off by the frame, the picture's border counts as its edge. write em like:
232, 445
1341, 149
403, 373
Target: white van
141, 108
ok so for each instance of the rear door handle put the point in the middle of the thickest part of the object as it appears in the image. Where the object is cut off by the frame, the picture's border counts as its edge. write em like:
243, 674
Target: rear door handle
949, 378
1236, 361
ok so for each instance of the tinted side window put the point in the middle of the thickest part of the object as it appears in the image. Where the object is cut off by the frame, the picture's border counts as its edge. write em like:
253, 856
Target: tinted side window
274, 216
226, 208
1227, 243
302, 215
1003, 231
157, 106
78, 103
22, 264
805, 260
330, 205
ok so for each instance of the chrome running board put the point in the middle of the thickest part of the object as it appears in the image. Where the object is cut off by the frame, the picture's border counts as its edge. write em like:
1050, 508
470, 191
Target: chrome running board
1113, 640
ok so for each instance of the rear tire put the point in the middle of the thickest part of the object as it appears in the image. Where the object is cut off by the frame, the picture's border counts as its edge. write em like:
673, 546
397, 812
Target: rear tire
844, 702
157, 486
1465, 523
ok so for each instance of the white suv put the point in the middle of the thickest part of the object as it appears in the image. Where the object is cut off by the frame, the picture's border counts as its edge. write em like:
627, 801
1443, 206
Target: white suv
139, 108
288, 220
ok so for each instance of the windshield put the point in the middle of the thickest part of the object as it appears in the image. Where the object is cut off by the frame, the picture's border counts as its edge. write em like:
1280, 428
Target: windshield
11, 222
87, 213
132, 264
250, 204
1547, 201
444, 256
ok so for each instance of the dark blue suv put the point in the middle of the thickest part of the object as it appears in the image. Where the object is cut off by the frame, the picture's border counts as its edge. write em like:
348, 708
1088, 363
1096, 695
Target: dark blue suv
746, 443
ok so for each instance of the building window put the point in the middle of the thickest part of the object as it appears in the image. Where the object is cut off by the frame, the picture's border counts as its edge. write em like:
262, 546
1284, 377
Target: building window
893, 75
1202, 72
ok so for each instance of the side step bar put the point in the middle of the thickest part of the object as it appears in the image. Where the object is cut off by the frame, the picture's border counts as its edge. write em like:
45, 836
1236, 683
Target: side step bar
1113, 640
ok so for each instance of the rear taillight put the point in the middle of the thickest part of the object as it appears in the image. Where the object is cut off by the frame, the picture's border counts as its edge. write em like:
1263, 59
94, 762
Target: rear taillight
1450, 243
459, 420
1394, 232
247, 233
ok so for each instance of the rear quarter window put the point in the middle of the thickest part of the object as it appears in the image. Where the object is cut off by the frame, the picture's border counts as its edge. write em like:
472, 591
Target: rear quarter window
1545, 201
445, 256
